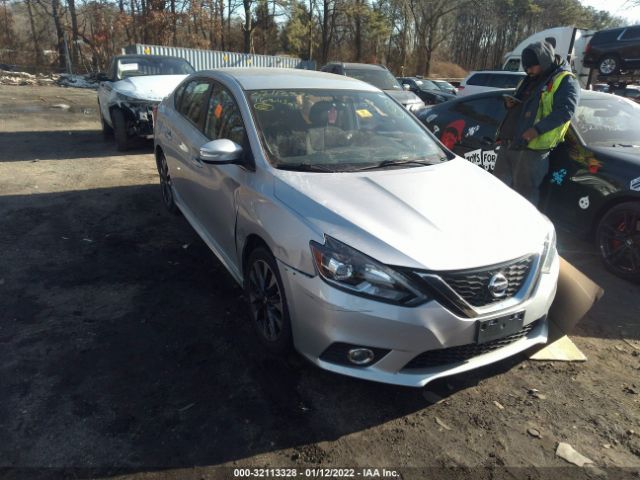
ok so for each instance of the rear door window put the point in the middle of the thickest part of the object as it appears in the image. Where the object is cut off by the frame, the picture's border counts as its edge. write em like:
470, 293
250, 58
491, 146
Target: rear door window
192, 101
479, 79
631, 33
505, 80
485, 111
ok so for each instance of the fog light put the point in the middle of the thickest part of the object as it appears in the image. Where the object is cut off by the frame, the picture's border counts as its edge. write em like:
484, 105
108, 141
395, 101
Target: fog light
360, 356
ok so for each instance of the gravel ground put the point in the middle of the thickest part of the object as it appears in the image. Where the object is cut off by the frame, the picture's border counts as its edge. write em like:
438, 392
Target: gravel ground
125, 347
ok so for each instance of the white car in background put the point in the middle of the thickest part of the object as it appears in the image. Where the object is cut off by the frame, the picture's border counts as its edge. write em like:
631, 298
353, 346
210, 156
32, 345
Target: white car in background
132, 87
487, 80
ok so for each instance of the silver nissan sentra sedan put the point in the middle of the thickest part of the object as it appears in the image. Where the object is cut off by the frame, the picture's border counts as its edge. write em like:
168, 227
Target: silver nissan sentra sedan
358, 238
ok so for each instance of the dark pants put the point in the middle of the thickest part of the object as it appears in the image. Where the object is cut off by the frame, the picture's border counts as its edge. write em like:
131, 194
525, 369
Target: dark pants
523, 170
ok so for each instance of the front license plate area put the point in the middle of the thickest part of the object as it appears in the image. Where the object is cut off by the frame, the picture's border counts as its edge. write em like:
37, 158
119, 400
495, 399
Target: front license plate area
496, 328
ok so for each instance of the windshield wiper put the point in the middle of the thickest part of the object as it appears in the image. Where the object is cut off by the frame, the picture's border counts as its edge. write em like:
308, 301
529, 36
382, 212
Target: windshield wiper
625, 145
393, 163
304, 167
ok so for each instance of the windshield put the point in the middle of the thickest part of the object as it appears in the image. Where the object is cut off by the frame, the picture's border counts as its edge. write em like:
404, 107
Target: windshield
377, 77
426, 85
608, 121
444, 85
338, 130
140, 66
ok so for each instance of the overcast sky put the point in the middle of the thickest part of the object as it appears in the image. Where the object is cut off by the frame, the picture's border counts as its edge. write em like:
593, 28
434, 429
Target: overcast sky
619, 8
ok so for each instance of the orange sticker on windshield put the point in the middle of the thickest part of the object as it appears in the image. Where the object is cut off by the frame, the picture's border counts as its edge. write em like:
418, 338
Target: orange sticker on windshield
218, 111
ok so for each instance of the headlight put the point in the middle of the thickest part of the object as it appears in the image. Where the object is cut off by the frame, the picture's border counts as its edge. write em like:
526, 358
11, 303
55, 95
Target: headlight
350, 270
549, 251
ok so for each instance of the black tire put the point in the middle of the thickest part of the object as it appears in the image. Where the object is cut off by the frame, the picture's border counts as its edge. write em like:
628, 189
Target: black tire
123, 141
107, 130
166, 185
618, 239
267, 301
609, 65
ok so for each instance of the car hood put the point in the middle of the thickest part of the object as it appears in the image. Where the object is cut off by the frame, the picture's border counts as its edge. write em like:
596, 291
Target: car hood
442, 217
148, 87
403, 96
629, 154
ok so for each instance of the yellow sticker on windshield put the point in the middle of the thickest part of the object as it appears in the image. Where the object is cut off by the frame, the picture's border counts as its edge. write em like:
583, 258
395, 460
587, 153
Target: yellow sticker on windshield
265, 107
364, 113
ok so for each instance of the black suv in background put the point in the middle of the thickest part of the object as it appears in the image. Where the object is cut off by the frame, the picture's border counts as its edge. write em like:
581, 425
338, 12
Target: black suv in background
613, 50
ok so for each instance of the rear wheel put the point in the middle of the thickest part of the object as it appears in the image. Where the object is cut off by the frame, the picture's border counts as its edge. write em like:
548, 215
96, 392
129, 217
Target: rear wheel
123, 140
618, 237
267, 301
609, 65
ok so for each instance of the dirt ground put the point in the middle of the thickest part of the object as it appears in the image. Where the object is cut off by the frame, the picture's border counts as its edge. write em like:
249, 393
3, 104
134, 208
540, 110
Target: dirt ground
125, 347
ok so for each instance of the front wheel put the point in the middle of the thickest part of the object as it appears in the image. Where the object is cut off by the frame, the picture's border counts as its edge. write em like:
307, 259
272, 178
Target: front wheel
123, 140
618, 238
267, 301
166, 185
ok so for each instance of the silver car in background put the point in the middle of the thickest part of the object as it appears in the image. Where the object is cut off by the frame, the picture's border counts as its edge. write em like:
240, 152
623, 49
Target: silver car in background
358, 238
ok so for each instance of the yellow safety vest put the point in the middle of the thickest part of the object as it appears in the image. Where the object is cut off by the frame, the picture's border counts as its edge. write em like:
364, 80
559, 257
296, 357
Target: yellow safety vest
550, 139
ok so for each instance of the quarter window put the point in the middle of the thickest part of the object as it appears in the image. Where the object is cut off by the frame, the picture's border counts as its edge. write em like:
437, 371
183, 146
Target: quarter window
479, 79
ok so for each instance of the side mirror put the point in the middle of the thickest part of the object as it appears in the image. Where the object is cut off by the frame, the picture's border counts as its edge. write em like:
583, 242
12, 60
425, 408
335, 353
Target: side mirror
406, 87
220, 152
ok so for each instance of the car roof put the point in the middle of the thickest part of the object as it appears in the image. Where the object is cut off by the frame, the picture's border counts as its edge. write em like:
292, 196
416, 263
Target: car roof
504, 72
142, 55
588, 94
288, 78
362, 66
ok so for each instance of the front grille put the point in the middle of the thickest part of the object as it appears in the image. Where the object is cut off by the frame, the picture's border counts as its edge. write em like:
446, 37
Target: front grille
452, 355
473, 285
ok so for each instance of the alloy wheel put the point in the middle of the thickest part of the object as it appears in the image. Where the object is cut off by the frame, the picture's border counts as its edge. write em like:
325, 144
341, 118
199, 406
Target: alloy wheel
608, 66
265, 300
620, 241
165, 183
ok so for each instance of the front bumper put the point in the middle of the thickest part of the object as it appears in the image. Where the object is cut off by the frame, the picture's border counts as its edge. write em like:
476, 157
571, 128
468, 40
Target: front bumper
322, 316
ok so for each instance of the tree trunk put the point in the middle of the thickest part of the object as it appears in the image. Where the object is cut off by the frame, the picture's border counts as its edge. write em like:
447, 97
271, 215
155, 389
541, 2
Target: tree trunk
247, 27
358, 39
174, 24
55, 12
75, 54
36, 43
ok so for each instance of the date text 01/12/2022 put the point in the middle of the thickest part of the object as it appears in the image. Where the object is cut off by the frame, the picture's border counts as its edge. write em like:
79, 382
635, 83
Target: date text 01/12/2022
315, 473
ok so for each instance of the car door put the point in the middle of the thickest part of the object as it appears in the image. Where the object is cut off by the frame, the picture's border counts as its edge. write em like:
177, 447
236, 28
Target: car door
576, 184
182, 137
215, 186
474, 127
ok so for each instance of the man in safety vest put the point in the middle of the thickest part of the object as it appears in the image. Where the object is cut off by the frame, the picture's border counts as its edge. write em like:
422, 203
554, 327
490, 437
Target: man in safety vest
538, 116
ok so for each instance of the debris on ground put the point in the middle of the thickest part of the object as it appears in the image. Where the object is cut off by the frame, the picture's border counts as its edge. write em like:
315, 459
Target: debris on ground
633, 390
498, 404
567, 452
65, 80
61, 106
534, 432
442, 424
562, 350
